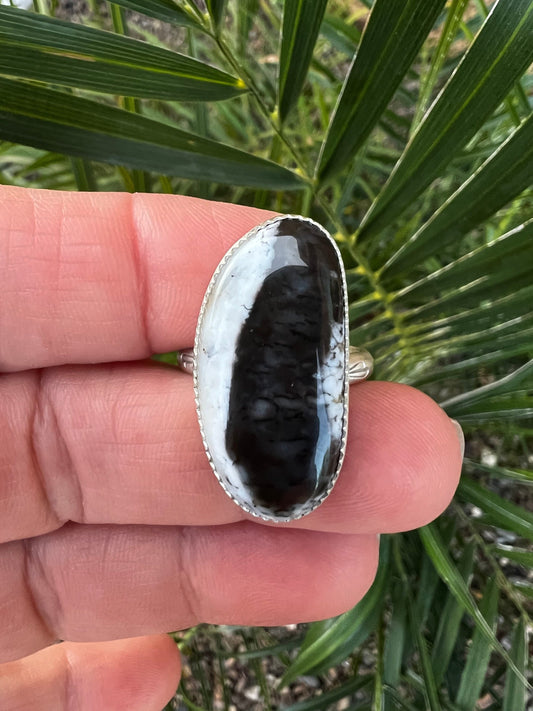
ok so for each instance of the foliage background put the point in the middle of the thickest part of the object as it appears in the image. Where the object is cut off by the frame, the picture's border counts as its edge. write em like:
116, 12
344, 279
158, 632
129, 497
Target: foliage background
405, 127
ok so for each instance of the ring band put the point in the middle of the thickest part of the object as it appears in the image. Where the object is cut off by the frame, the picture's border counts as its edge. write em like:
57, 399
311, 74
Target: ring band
361, 363
272, 365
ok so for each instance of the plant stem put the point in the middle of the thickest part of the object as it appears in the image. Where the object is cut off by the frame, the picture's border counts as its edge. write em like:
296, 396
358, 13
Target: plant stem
342, 233
193, 8
250, 84
81, 168
201, 117
378, 699
41, 6
83, 174
140, 178
93, 5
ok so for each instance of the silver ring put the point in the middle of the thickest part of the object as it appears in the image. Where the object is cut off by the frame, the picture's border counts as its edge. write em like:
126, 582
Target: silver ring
272, 365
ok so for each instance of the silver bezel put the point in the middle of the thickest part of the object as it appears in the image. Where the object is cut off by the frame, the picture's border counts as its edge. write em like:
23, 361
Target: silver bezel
313, 504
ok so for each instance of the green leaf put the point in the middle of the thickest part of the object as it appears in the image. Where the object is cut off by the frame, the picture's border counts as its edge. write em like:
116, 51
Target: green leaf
512, 383
485, 314
457, 586
523, 588
503, 259
49, 50
500, 512
522, 556
447, 35
505, 174
216, 9
430, 683
517, 406
345, 37
321, 649
514, 696
499, 55
395, 31
430, 691
450, 619
166, 10
395, 637
272, 650
394, 701
299, 30
245, 16
457, 318
324, 700
504, 352
68, 124
522, 475
479, 655
428, 576
84, 175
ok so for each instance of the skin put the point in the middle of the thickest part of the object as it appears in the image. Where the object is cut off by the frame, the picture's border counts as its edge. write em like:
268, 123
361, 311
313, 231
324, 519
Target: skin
110, 516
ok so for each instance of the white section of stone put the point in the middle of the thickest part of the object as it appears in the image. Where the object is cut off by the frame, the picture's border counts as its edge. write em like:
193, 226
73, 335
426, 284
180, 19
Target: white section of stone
229, 300
332, 374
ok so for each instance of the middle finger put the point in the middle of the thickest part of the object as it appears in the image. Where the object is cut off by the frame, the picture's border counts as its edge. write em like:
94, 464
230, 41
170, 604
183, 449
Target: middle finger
121, 444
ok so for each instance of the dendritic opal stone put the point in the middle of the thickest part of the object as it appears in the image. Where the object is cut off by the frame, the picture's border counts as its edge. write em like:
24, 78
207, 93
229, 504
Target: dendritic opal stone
271, 369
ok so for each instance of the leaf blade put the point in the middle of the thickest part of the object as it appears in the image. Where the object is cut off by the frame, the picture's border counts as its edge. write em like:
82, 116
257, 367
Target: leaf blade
392, 37
74, 126
450, 619
451, 576
395, 639
503, 513
165, 10
456, 406
499, 55
447, 35
299, 31
216, 10
478, 659
505, 174
319, 703
50, 50
514, 696
492, 263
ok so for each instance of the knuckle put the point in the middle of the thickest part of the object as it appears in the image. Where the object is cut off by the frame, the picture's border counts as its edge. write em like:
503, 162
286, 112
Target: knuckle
51, 456
186, 575
40, 588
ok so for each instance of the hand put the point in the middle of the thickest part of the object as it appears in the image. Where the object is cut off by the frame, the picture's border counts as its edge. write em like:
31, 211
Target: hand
109, 512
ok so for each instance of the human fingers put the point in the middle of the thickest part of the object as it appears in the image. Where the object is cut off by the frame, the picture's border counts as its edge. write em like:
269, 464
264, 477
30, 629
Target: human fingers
90, 583
106, 277
121, 444
138, 674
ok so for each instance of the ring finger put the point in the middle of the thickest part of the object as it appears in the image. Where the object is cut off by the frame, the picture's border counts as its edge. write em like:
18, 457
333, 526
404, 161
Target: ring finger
89, 583
138, 674
120, 444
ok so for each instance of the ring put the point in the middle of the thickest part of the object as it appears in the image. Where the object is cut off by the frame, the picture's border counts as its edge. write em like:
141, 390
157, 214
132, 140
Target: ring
272, 364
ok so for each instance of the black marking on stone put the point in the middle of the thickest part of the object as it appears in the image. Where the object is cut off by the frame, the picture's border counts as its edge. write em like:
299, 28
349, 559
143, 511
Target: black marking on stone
278, 433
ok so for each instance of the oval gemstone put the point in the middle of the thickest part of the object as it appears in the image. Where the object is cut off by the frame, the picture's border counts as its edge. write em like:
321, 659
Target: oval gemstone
270, 368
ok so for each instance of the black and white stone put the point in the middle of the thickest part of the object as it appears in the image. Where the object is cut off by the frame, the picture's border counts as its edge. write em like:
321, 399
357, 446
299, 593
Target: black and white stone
271, 369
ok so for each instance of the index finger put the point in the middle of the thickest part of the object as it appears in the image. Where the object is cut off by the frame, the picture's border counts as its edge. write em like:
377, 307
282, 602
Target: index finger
88, 278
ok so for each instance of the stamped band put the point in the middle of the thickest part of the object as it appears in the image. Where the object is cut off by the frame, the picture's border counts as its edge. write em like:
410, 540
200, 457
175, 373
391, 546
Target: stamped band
360, 363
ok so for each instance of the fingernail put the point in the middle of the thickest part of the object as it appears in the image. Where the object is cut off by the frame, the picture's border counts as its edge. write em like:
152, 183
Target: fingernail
461, 436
